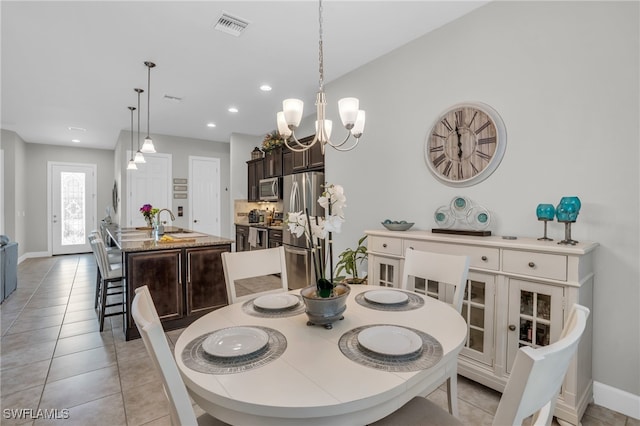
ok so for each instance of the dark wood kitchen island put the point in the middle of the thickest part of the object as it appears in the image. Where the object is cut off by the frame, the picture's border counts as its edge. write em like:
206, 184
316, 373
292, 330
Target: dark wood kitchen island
184, 275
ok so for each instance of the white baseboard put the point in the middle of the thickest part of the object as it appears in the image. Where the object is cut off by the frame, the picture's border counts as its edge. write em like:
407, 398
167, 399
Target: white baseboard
617, 400
33, 254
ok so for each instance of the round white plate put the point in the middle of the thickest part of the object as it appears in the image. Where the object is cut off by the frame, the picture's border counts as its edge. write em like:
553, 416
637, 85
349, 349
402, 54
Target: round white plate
386, 297
276, 301
235, 341
390, 340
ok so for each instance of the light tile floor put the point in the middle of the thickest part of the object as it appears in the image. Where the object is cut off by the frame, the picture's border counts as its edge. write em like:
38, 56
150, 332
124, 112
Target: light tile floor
52, 357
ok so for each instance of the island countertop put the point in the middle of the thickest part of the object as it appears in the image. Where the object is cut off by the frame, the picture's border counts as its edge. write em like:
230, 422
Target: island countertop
141, 239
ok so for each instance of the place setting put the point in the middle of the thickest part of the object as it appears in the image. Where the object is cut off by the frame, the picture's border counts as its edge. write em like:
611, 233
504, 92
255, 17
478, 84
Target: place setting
234, 349
275, 305
391, 347
390, 300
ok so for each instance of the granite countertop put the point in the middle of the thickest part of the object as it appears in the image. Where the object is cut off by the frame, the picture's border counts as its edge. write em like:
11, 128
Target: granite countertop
141, 239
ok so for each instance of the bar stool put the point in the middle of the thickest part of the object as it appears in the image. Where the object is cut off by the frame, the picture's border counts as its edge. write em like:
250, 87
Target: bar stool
115, 262
108, 276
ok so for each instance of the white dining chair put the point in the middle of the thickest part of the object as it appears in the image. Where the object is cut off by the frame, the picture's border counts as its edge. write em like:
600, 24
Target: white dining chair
446, 269
242, 265
155, 341
443, 268
531, 391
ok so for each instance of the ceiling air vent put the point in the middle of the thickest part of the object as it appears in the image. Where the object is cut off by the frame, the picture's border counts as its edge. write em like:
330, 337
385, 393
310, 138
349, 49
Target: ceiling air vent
231, 24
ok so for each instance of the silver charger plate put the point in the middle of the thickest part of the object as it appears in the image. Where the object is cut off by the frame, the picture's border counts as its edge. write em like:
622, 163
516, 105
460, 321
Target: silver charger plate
196, 358
414, 302
249, 308
429, 356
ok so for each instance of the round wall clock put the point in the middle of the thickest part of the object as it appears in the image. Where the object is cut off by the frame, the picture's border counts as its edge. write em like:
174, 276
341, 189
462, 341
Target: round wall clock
465, 144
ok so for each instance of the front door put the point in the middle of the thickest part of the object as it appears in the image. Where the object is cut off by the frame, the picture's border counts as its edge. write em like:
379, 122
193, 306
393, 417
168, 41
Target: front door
204, 194
72, 206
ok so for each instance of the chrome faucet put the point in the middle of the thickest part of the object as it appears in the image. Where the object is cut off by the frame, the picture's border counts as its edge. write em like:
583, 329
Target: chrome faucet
165, 210
160, 226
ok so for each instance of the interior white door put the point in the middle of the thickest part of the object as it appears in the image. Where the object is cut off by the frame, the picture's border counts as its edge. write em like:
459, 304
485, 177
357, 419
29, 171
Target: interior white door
204, 194
72, 206
150, 184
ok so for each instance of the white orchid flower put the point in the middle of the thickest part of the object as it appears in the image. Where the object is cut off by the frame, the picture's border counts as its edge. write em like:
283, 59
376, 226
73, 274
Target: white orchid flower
333, 224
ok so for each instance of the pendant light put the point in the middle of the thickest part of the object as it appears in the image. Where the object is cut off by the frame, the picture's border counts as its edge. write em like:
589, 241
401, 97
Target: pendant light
147, 146
132, 164
352, 117
139, 158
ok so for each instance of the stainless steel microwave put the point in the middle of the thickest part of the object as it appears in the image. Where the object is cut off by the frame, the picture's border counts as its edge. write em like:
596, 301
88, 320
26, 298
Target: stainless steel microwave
270, 189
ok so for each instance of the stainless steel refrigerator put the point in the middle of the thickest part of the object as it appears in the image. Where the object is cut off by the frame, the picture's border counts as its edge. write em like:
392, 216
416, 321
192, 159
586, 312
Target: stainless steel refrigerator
301, 191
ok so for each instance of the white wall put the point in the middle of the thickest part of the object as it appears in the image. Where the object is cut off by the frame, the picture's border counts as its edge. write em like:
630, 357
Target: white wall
564, 77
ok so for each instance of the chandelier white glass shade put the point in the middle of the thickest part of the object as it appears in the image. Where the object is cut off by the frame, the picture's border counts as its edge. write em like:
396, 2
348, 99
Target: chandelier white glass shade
139, 158
352, 117
132, 163
147, 146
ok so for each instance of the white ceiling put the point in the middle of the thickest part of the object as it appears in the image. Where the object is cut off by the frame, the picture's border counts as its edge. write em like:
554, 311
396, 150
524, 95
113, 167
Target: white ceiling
76, 63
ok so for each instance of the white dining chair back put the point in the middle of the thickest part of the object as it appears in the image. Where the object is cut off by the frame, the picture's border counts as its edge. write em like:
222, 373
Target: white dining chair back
443, 268
531, 391
155, 341
537, 375
253, 264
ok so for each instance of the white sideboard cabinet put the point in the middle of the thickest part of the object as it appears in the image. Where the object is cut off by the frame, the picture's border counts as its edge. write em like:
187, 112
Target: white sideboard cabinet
519, 293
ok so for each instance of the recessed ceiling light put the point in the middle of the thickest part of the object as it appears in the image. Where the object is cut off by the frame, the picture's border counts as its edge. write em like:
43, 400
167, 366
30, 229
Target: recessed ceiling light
75, 140
211, 124
79, 129
232, 109
265, 88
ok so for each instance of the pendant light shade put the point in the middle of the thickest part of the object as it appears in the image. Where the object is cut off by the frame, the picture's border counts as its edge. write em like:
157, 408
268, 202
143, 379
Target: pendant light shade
132, 164
139, 158
147, 146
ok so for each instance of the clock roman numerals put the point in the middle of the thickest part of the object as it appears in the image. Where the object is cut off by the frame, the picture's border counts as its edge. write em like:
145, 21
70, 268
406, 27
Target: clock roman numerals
439, 160
481, 128
446, 124
483, 141
473, 118
447, 168
438, 148
483, 155
436, 135
459, 118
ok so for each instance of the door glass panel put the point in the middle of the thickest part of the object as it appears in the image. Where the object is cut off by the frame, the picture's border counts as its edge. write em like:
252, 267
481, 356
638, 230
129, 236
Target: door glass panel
433, 286
542, 334
477, 317
544, 306
383, 272
477, 291
526, 303
72, 216
419, 285
476, 340
526, 330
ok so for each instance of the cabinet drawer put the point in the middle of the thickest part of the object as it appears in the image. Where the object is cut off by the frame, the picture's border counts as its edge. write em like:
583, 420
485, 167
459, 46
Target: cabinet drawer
385, 245
481, 257
541, 265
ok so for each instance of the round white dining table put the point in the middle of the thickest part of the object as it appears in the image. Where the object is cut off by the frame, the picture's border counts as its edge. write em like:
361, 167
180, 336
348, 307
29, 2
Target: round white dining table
312, 382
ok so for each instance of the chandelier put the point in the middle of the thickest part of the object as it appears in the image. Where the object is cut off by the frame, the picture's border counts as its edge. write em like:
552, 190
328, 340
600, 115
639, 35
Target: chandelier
351, 116
147, 146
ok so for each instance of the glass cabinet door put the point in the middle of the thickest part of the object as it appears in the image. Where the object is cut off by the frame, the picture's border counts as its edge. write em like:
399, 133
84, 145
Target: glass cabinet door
535, 316
386, 272
478, 312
